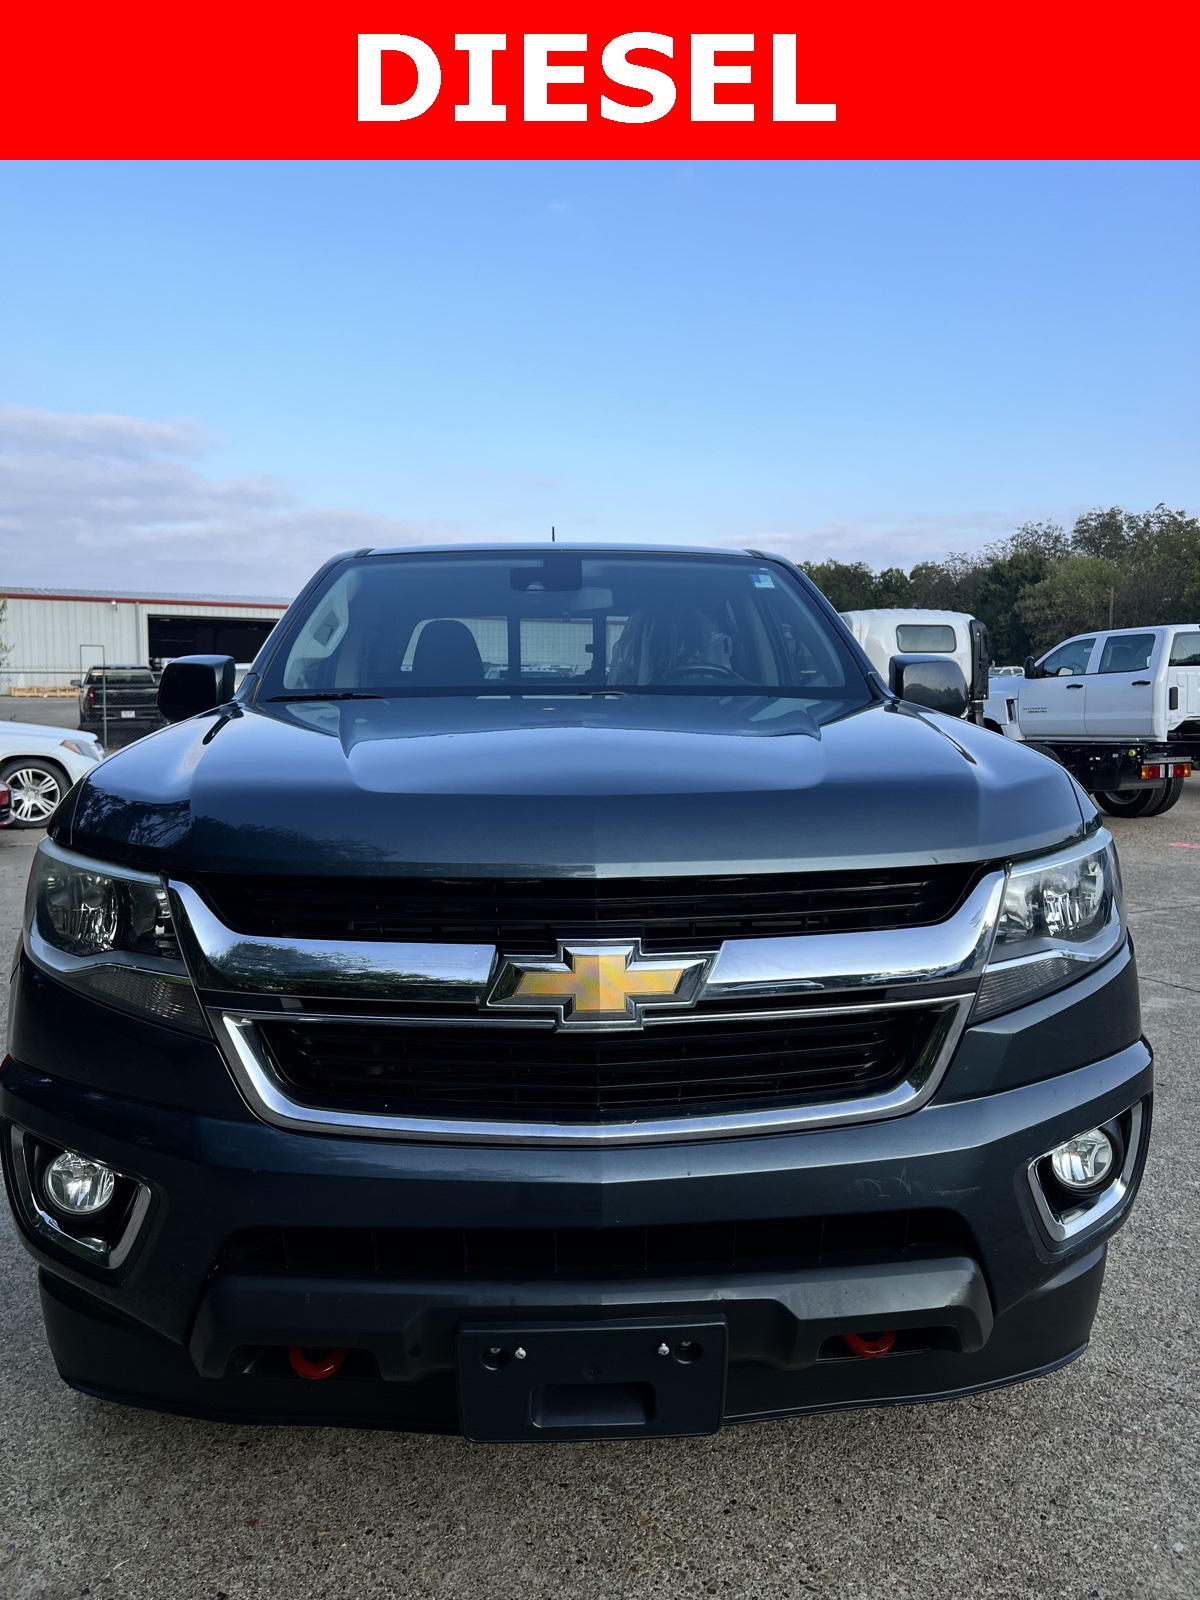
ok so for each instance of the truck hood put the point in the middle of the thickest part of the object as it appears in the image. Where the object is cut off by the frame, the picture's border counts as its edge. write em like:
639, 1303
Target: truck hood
613, 787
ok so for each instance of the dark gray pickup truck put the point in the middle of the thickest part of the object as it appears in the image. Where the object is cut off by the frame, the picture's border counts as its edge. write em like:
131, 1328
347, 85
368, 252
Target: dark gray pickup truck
568, 994
118, 702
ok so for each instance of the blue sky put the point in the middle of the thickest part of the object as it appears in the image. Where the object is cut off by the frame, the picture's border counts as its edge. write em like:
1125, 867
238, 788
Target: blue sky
219, 373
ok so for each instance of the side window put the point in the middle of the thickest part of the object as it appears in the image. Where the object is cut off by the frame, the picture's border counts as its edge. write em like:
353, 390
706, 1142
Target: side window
1069, 660
926, 638
312, 660
1185, 652
1127, 652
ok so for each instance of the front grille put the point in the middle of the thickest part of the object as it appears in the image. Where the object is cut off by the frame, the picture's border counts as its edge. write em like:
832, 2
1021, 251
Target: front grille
525, 916
661, 1249
540, 1074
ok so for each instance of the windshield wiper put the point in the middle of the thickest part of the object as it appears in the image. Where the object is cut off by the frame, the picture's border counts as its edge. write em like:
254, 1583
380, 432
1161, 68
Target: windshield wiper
337, 694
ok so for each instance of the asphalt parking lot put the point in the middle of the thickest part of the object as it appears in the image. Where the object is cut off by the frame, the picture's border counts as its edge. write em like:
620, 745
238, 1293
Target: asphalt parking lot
54, 711
1081, 1485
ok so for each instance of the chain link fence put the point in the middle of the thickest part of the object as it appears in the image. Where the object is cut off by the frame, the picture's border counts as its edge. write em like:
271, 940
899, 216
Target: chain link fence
117, 704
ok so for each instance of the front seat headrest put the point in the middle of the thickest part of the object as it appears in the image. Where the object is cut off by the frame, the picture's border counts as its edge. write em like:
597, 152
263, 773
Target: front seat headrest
447, 655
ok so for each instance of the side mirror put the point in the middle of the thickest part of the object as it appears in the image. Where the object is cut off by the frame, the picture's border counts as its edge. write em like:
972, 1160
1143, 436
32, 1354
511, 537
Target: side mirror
935, 682
980, 662
193, 684
76, 684
1032, 670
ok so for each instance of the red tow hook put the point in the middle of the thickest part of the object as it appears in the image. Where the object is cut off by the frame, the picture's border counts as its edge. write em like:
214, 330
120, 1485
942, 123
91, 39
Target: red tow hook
315, 1363
869, 1345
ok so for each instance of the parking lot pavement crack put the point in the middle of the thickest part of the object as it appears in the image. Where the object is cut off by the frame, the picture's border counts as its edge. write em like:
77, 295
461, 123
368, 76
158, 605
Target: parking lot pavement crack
1147, 977
1159, 911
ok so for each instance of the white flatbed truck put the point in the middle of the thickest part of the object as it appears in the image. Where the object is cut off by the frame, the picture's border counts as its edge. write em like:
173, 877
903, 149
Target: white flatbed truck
1118, 707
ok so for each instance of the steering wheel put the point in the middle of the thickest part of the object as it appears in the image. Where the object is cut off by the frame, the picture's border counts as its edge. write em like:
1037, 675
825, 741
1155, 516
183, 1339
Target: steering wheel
701, 670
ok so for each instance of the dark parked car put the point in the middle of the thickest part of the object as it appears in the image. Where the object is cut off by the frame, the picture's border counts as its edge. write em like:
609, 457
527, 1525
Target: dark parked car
415, 1039
118, 700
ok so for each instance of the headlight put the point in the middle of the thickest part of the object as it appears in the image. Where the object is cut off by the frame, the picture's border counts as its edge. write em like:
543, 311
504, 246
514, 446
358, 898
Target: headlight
1060, 916
89, 751
108, 931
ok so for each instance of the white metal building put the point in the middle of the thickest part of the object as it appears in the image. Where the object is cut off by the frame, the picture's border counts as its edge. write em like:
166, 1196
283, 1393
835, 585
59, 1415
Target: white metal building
49, 634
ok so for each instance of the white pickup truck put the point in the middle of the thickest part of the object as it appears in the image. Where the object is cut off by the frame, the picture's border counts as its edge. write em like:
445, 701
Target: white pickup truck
1119, 708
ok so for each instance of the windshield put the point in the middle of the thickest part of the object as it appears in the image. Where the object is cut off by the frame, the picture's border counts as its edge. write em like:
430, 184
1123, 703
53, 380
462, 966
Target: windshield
559, 622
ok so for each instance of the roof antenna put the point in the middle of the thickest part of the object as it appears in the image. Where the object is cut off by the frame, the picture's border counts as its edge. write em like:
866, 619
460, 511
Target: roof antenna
552, 533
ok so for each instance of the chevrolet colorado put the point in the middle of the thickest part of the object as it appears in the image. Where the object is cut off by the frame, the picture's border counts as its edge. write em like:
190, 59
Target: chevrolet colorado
567, 994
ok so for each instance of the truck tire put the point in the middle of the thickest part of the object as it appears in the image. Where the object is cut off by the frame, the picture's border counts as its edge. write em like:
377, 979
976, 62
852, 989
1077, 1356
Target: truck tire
1173, 791
1132, 802
1044, 750
37, 786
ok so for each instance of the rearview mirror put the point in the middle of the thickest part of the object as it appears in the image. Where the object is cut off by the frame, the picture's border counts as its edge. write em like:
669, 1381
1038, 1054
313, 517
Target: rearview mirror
935, 682
193, 684
559, 570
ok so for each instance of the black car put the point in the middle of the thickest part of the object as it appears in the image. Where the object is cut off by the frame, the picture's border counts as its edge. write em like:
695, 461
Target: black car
567, 993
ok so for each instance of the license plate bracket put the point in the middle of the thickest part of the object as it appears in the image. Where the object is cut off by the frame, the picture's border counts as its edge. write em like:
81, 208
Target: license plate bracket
639, 1377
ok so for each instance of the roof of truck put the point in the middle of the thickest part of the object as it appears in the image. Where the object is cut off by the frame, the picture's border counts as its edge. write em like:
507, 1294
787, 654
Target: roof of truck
573, 547
1116, 633
902, 614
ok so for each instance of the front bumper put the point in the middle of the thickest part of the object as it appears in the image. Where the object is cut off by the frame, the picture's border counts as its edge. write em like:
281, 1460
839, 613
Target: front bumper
104, 1355
181, 1326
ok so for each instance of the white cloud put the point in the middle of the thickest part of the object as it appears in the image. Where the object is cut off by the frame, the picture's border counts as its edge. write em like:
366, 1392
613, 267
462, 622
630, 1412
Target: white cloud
892, 542
123, 501
103, 500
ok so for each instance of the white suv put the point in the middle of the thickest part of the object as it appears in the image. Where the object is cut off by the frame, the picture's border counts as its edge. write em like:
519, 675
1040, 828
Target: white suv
39, 764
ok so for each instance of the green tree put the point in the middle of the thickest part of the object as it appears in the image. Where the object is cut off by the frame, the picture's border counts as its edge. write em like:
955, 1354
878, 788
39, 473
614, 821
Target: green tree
892, 587
1161, 578
1157, 554
1008, 567
848, 586
1042, 584
1102, 533
1075, 595
949, 585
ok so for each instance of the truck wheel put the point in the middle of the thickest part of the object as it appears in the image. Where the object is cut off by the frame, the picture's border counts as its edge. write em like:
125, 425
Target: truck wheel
1129, 803
1171, 796
37, 787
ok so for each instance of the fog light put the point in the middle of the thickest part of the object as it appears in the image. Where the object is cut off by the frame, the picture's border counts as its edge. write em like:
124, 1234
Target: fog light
78, 1186
1085, 1162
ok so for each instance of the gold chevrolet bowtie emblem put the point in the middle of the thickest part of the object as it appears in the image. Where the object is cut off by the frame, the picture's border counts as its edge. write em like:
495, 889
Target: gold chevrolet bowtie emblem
597, 985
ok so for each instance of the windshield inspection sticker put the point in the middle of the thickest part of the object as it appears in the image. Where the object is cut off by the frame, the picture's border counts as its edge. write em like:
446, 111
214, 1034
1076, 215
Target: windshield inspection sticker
762, 580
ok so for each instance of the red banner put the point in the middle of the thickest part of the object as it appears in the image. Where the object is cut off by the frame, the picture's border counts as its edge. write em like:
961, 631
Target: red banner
382, 79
